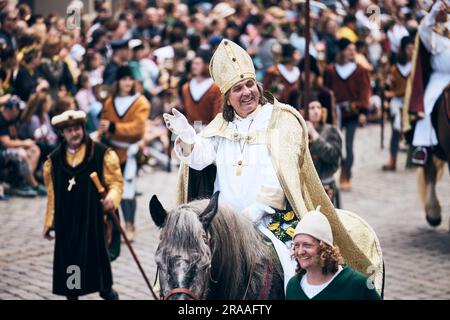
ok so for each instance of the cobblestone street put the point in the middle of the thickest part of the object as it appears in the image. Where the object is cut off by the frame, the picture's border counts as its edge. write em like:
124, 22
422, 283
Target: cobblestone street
417, 257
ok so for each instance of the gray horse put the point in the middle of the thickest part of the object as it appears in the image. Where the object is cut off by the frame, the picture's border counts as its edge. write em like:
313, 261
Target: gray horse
209, 251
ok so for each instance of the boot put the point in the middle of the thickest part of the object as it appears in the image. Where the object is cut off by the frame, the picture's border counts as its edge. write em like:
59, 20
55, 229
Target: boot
109, 294
129, 231
391, 165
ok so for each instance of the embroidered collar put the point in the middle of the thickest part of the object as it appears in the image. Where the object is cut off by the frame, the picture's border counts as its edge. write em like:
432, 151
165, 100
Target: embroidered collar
404, 69
123, 103
198, 89
346, 70
290, 75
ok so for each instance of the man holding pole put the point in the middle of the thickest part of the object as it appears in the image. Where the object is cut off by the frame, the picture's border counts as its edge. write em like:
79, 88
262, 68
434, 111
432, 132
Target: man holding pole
76, 210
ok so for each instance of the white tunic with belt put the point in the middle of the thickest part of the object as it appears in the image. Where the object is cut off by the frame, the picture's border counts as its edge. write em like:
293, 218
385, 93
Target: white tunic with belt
240, 191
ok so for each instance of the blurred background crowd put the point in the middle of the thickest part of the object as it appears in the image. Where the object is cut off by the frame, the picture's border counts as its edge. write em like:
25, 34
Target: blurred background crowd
52, 63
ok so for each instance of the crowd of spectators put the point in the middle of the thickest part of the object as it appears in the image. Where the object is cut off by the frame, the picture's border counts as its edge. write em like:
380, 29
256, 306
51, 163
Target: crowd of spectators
50, 64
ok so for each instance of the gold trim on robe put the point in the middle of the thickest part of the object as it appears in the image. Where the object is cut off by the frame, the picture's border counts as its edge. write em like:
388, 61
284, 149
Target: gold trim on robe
357, 242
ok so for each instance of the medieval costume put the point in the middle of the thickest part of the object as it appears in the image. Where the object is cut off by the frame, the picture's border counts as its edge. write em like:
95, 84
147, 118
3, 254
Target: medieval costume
111, 68
399, 74
57, 73
284, 84
347, 284
75, 212
350, 84
429, 77
326, 155
202, 101
339, 282
26, 80
264, 158
127, 116
283, 79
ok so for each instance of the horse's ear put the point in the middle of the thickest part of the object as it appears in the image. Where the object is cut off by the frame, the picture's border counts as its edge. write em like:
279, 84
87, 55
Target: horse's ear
210, 211
157, 211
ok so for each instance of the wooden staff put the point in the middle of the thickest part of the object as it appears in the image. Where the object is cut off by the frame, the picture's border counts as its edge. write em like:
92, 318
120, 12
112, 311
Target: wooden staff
102, 191
307, 63
383, 99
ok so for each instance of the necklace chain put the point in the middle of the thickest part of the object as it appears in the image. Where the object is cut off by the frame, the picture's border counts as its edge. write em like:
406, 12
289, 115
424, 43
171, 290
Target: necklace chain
242, 146
240, 163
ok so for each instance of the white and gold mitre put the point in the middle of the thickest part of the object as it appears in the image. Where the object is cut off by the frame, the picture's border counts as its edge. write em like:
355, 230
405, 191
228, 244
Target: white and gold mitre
230, 64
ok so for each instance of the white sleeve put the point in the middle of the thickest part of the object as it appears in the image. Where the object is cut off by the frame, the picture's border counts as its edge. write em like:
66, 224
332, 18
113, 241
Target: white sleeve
426, 32
202, 155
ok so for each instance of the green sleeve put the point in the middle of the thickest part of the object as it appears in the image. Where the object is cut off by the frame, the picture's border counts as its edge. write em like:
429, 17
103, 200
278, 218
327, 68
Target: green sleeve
292, 288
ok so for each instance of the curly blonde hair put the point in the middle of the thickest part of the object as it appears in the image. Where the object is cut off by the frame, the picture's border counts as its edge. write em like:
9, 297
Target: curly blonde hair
330, 259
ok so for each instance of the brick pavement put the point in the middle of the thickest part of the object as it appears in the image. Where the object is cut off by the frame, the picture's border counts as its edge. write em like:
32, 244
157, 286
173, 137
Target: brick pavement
417, 257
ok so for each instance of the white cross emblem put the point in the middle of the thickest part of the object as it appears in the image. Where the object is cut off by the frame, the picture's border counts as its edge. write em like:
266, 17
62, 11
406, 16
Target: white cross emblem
72, 182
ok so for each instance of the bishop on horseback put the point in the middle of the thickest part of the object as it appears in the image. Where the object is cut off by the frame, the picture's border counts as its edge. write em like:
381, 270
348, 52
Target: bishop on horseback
256, 154
426, 105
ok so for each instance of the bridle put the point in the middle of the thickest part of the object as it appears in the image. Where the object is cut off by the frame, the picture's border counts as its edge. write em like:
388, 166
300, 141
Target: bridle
185, 291
175, 291
192, 295
180, 290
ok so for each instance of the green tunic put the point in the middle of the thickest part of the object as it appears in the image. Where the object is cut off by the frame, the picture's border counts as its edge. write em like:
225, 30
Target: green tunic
347, 285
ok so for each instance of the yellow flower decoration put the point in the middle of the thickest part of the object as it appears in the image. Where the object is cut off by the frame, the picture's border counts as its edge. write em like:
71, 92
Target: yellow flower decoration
289, 216
274, 226
290, 231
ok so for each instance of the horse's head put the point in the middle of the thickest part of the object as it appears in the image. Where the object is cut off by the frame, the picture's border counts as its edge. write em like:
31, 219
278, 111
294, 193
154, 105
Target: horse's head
183, 255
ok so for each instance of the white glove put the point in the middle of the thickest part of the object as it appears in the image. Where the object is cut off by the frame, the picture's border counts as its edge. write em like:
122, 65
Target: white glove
178, 124
256, 211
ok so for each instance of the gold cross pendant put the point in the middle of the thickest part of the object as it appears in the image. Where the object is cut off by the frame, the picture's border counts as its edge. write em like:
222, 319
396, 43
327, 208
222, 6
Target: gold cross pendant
239, 166
72, 182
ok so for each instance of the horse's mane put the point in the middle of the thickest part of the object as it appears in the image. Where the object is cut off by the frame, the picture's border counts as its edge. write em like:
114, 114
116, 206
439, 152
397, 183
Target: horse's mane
239, 253
183, 230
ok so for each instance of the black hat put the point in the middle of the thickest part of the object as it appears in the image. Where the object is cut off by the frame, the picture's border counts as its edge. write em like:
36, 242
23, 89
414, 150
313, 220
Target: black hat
119, 44
287, 50
349, 18
124, 71
205, 55
406, 41
97, 34
343, 43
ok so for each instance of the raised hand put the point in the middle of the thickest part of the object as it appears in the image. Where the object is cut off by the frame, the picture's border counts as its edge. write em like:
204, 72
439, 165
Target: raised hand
178, 124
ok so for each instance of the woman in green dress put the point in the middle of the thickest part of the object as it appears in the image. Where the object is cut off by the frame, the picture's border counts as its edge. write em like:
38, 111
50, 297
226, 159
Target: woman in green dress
321, 272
